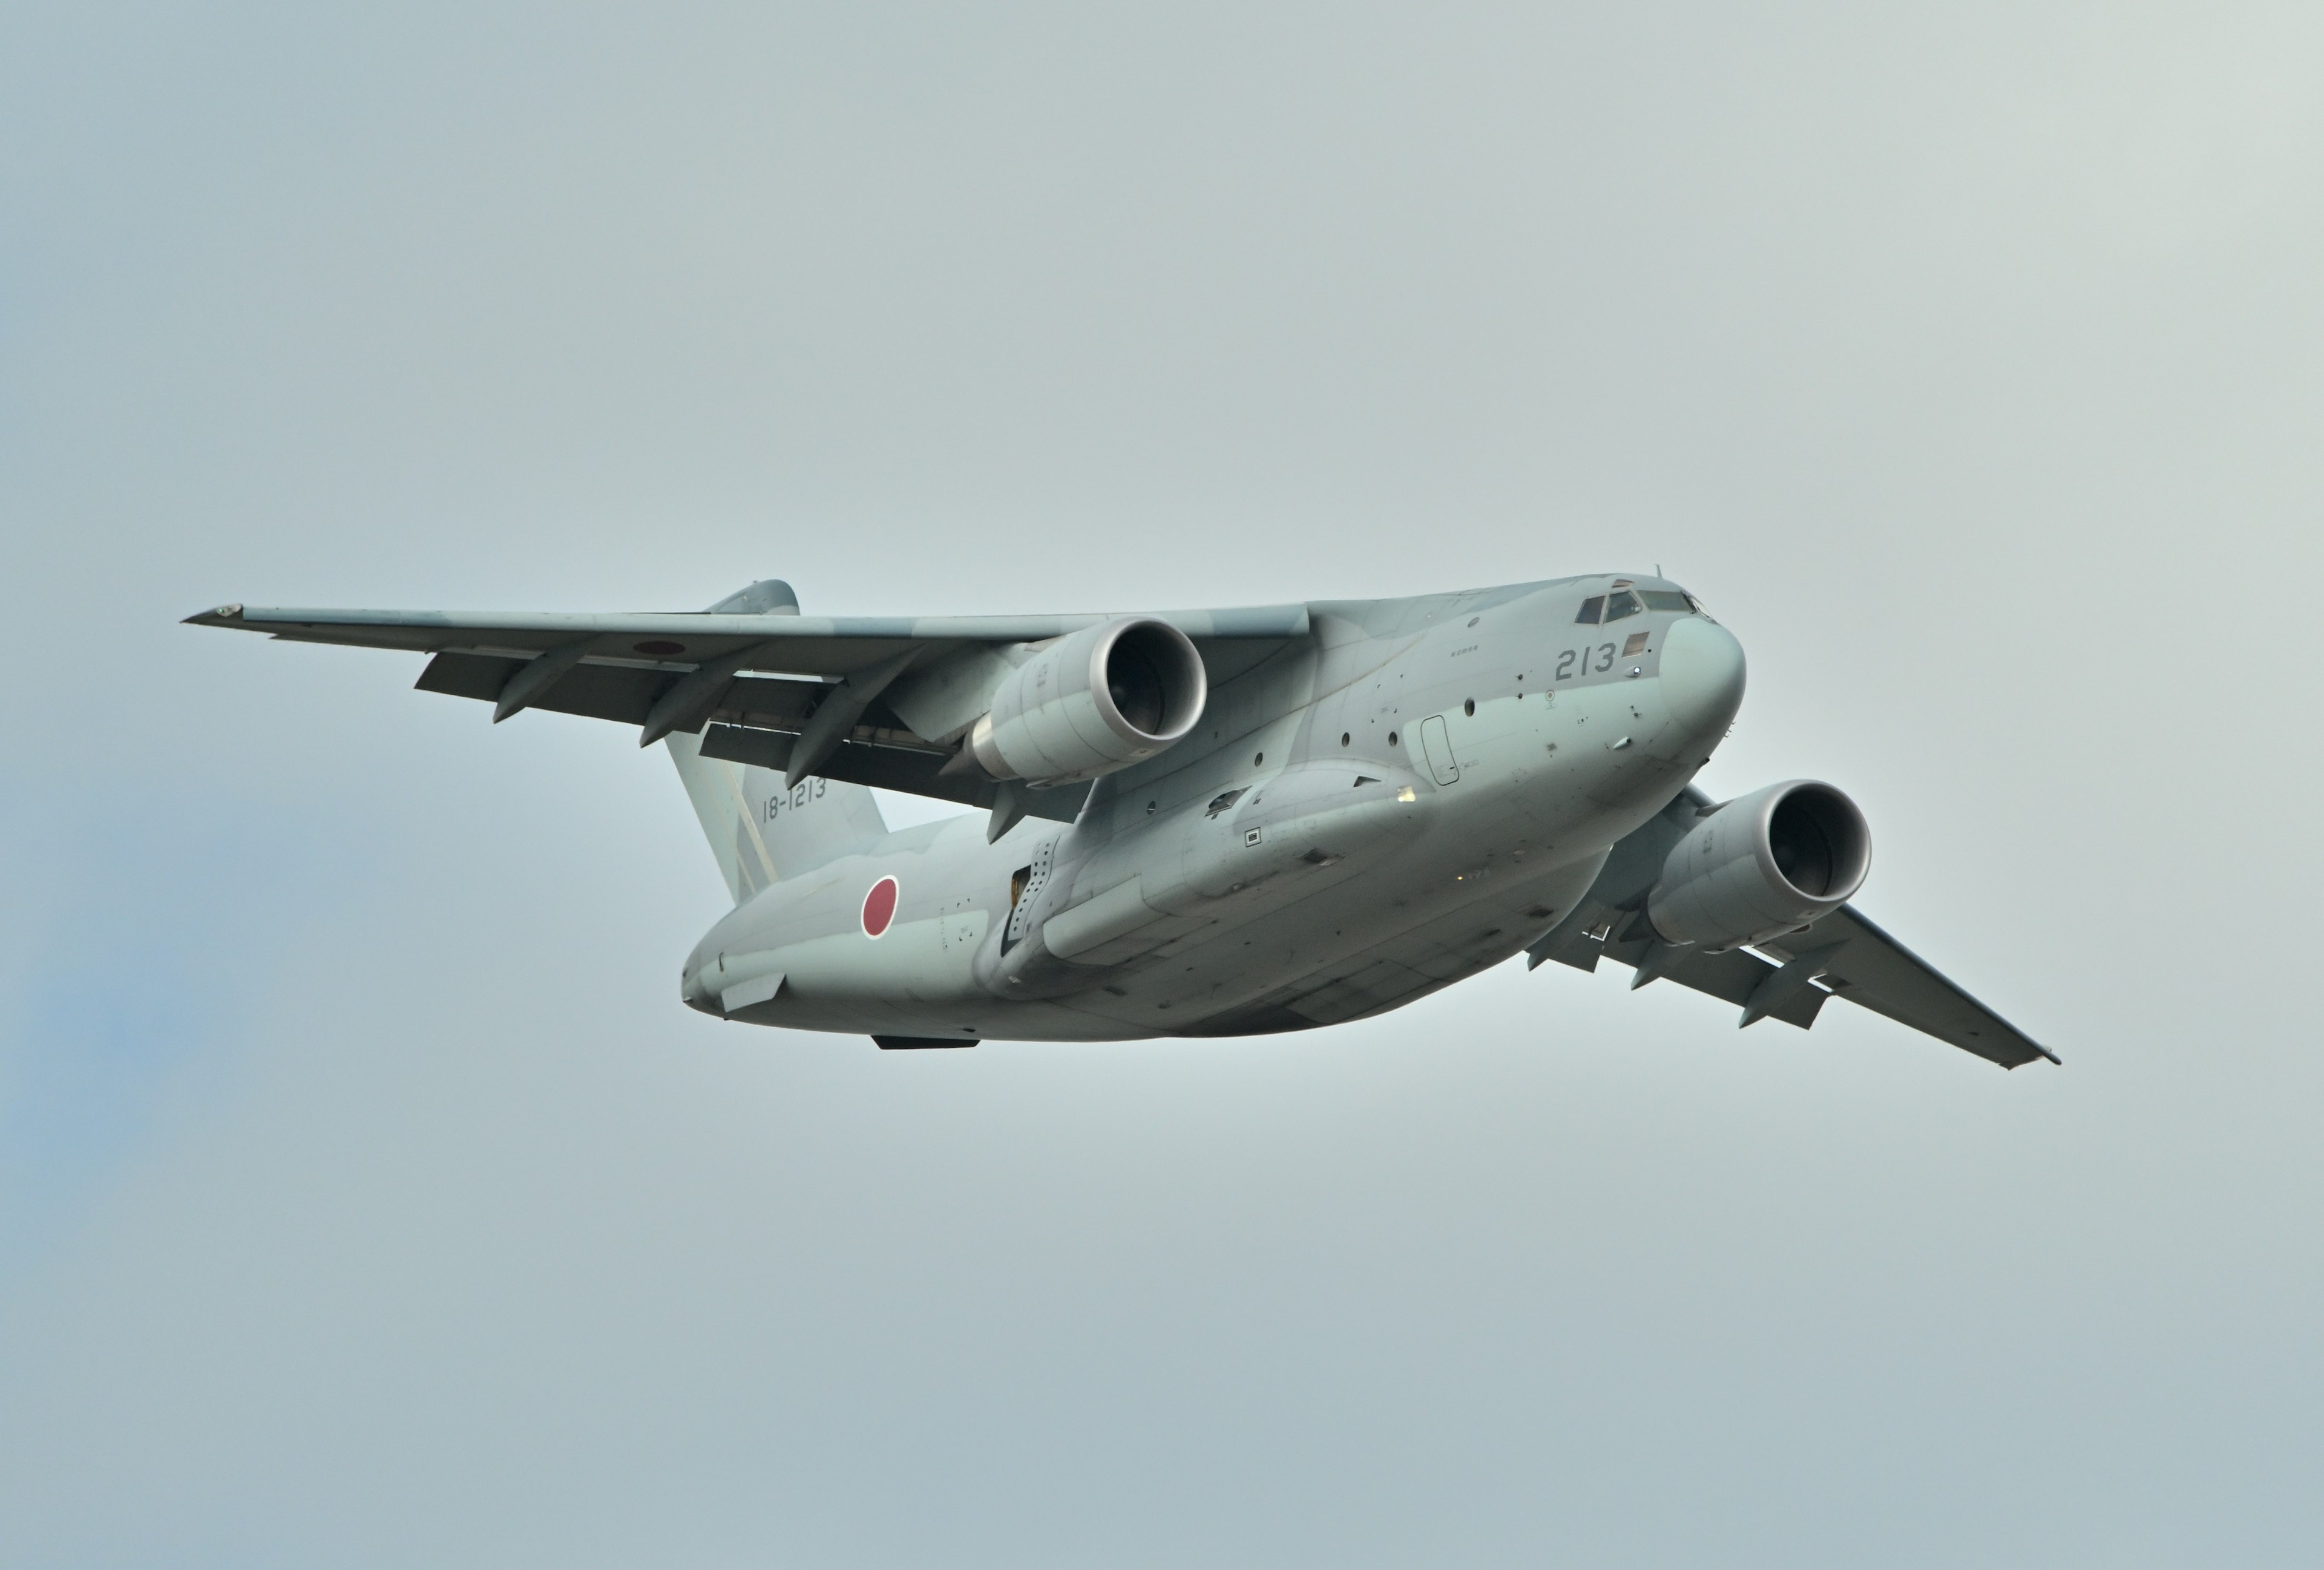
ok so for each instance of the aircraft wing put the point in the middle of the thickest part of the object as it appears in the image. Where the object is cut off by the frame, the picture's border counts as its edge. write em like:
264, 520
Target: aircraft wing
1843, 955
680, 640
1866, 966
748, 682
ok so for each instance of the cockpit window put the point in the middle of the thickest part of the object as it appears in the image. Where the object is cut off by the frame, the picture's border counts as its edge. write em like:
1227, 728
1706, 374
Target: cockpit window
1624, 603
1666, 600
1589, 609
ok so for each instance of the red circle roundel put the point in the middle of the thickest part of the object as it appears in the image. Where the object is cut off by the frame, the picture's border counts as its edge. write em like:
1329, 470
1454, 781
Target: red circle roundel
879, 907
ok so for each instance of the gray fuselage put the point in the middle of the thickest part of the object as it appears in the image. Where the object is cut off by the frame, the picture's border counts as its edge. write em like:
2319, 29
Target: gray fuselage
1412, 793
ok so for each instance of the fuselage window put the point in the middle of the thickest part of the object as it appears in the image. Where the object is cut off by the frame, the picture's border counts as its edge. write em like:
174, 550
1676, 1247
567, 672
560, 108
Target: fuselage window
1625, 604
1589, 609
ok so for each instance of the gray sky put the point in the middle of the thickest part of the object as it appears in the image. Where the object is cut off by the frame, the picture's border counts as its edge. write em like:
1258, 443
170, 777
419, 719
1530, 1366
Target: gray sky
366, 1196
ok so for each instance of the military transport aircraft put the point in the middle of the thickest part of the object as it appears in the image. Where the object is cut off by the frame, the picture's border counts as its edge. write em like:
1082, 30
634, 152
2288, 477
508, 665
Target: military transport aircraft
1209, 823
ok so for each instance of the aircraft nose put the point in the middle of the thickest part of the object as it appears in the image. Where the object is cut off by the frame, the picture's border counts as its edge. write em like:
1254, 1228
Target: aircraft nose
1701, 675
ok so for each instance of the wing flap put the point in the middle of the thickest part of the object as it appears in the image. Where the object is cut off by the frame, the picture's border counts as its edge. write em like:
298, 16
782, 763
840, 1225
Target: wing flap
622, 693
1734, 977
915, 771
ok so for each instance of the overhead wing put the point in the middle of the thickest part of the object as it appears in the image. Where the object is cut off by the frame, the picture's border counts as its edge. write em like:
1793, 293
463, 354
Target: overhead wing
680, 640
750, 674
1843, 955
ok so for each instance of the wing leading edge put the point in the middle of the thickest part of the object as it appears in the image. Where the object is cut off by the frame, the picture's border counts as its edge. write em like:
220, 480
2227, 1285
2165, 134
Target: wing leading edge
1843, 955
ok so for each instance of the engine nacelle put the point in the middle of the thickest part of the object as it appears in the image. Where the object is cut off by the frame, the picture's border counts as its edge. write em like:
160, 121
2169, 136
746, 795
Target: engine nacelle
1092, 702
1763, 863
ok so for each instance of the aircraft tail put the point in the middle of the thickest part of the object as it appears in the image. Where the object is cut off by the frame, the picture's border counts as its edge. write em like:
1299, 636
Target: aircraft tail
759, 828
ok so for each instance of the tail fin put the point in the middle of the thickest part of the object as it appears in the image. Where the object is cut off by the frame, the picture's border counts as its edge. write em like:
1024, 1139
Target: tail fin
760, 829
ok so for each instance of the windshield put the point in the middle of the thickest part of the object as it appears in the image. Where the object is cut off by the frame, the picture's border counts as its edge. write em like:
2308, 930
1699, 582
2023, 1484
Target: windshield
1626, 602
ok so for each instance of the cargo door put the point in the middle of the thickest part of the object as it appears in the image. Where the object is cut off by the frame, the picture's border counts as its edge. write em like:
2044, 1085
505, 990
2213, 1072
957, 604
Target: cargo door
1437, 742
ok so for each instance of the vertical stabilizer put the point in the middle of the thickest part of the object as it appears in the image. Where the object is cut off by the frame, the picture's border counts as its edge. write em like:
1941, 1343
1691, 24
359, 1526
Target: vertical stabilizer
759, 828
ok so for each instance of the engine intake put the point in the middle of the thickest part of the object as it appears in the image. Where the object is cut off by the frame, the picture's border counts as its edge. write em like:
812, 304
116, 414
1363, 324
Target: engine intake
1092, 702
1761, 864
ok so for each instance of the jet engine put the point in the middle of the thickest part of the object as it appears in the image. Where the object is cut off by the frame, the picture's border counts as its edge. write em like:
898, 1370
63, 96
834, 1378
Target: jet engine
1092, 702
1761, 864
